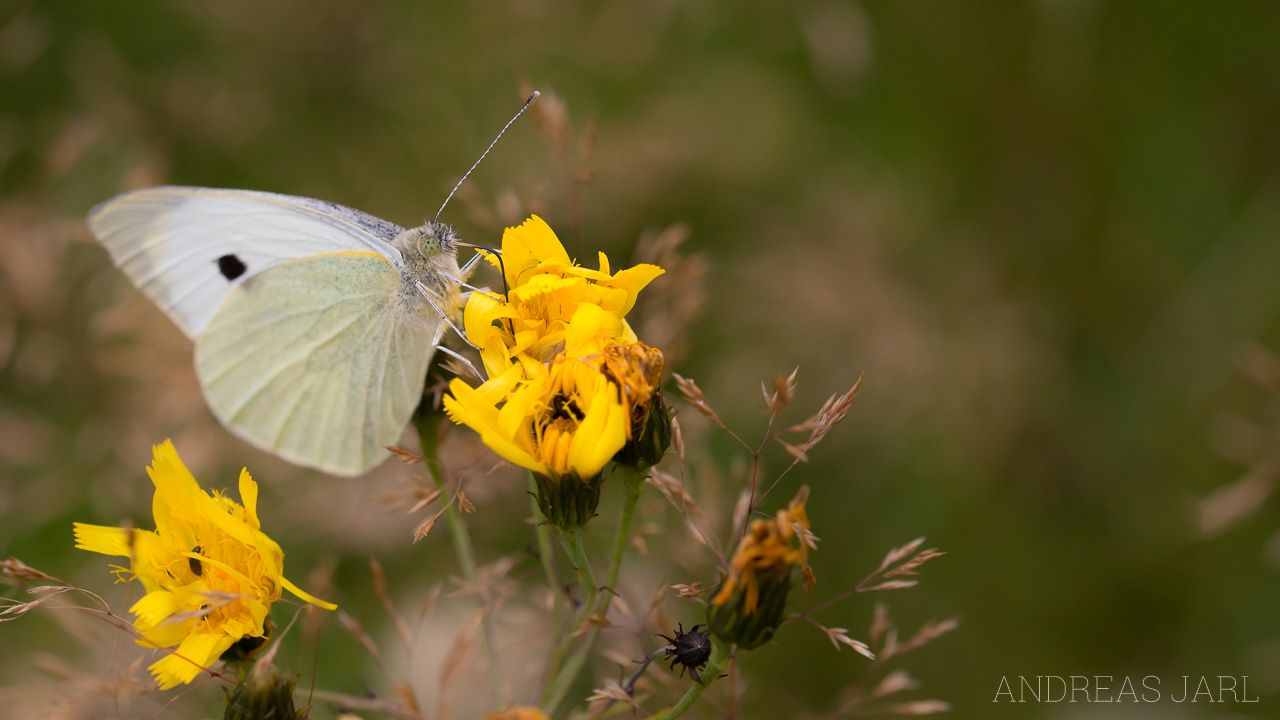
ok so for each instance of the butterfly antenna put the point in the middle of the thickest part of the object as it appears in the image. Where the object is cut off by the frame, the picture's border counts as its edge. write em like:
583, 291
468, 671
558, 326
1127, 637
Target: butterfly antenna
520, 112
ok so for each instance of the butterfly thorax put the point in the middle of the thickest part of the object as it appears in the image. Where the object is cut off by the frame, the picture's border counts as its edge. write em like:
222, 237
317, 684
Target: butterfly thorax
430, 264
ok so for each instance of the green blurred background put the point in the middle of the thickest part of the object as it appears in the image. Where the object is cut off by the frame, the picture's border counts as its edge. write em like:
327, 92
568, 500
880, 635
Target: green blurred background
1047, 232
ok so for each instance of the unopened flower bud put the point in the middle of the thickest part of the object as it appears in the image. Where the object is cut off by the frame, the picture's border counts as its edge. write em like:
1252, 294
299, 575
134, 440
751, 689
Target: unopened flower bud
264, 693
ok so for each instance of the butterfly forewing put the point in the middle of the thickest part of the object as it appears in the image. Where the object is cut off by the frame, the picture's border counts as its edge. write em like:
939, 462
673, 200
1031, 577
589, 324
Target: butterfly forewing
320, 360
187, 248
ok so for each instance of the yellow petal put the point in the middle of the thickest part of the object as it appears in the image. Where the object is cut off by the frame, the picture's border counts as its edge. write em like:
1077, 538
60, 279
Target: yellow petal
466, 406
197, 651
525, 246
589, 329
601, 435
103, 539
633, 280
154, 607
249, 496
307, 597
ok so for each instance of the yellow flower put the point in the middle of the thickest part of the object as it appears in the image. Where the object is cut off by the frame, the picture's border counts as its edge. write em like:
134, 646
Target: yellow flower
566, 419
637, 370
770, 548
552, 307
749, 606
210, 573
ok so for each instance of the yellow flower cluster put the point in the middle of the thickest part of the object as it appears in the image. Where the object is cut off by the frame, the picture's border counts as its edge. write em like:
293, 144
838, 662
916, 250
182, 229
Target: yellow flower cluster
770, 547
210, 572
567, 375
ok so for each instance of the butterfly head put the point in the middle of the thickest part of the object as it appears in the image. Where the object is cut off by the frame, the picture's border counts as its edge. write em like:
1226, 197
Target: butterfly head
428, 241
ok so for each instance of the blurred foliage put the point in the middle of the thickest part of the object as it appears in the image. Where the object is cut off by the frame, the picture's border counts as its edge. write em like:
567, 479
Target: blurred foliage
1046, 231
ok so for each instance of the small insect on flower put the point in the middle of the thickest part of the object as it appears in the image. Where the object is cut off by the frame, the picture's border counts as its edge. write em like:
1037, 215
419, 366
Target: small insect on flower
689, 650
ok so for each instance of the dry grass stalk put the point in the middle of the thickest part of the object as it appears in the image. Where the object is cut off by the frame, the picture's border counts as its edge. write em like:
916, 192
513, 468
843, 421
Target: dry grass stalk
613, 692
834, 410
894, 682
454, 661
429, 603
784, 390
695, 397
675, 301
673, 489
1231, 503
46, 593
464, 504
427, 497
840, 636
909, 567
692, 591
380, 589
15, 568
490, 579
809, 579
880, 624
426, 526
593, 620
404, 456
357, 631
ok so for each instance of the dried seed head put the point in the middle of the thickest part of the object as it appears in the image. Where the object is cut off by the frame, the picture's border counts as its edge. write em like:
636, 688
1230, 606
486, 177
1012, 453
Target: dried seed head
690, 650
689, 592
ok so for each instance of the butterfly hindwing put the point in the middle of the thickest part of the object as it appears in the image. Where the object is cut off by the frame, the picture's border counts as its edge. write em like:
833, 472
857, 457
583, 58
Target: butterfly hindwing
187, 248
319, 360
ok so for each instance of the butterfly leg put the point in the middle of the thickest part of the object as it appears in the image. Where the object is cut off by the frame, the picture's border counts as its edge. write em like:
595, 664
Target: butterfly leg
491, 296
460, 358
435, 343
465, 273
470, 264
443, 316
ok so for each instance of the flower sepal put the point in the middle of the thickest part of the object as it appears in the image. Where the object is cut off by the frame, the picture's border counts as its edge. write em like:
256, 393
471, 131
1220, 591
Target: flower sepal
567, 501
650, 439
263, 692
732, 623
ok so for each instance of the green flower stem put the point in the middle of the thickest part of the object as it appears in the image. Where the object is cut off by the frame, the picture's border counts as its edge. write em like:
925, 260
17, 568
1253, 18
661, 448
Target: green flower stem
428, 424
634, 488
715, 666
565, 679
555, 654
572, 542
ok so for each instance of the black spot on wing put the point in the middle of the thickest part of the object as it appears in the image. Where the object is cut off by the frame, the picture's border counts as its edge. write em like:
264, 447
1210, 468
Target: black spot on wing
231, 267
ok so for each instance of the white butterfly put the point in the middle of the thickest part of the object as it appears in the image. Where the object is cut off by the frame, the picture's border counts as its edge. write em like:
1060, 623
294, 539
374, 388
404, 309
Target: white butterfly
313, 323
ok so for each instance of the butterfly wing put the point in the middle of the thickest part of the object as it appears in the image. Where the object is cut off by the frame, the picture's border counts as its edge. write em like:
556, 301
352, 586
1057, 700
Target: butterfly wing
187, 248
320, 360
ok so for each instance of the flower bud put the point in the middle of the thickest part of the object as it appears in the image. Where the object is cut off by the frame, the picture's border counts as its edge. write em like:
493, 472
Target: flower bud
264, 693
750, 602
567, 501
650, 438
732, 621
636, 369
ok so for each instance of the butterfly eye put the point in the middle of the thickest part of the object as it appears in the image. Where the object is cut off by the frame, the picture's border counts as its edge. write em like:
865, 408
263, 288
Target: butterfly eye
429, 246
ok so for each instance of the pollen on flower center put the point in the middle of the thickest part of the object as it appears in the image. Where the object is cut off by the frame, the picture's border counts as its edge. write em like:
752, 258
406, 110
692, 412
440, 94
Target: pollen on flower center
565, 407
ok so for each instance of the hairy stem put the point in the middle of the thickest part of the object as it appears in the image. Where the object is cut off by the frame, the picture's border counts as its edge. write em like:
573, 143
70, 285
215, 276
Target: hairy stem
715, 666
546, 554
600, 605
